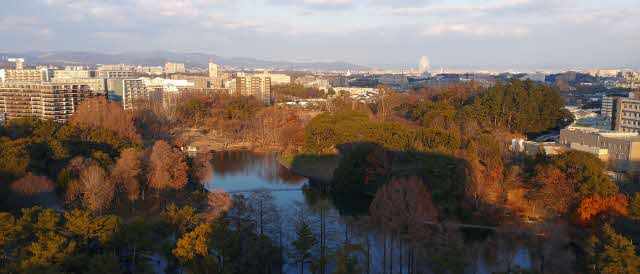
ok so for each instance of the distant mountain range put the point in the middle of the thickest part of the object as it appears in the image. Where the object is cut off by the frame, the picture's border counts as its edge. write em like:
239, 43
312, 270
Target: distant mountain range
158, 58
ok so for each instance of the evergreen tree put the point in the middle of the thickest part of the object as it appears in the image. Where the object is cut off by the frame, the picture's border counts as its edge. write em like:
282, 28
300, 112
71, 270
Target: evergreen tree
304, 242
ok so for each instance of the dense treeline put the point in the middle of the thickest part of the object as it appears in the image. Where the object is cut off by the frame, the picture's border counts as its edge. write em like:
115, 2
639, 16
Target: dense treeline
241, 119
297, 91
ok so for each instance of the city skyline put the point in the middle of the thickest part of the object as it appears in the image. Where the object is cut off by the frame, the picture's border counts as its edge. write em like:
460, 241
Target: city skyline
491, 35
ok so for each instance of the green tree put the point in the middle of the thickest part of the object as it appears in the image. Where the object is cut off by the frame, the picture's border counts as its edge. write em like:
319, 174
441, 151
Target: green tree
634, 206
618, 254
181, 219
304, 242
347, 259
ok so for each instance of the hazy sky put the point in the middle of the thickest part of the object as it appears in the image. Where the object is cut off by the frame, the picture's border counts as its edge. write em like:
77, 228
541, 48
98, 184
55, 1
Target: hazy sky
491, 34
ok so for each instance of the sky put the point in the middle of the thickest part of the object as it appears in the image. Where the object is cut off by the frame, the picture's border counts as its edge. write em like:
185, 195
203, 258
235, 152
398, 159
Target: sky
392, 34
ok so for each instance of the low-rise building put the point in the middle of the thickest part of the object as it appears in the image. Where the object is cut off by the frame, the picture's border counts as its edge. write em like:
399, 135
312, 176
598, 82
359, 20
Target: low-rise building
72, 74
170, 68
96, 85
621, 150
115, 74
26, 75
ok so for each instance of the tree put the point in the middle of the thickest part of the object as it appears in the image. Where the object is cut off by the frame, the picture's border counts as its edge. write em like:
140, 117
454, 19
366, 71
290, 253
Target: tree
634, 206
219, 202
87, 227
31, 185
595, 205
94, 187
99, 113
403, 203
181, 219
49, 249
127, 171
168, 168
347, 260
586, 173
193, 244
616, 254
303, 243
555, 192
203, 169
263, 210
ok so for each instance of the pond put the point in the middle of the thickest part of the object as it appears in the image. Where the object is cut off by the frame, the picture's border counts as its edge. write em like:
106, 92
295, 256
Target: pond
244, 172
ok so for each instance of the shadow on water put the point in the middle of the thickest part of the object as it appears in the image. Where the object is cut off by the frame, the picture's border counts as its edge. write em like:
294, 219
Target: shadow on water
444, 175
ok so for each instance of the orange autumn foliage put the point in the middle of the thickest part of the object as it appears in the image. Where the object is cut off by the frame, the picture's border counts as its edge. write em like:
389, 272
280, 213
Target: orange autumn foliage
595, 205
102, 114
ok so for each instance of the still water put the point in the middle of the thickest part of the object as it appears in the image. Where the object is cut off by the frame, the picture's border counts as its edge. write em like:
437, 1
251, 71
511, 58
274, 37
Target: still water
241, 172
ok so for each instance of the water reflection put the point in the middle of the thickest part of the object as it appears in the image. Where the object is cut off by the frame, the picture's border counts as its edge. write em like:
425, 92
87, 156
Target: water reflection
239, 171
245, 163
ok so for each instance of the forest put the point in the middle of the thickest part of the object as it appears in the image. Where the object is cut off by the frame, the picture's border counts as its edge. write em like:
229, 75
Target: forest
112, 192
452, 146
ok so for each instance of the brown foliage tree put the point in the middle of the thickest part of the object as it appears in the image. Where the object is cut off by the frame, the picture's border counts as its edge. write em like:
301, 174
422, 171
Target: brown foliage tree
403, 202
31, 185
127, 171
168, 167
99, 113
219, 202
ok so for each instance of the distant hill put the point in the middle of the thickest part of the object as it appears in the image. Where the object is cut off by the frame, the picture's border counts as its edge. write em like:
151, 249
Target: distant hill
158, 58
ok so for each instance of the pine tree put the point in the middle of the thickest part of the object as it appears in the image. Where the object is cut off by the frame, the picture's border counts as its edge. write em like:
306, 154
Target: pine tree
303, 244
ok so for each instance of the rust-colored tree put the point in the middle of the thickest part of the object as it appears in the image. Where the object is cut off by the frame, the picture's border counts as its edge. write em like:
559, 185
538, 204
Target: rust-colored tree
127, 171
596, 205
555, 193
219, 202
31, 185
99, 113
168, 167
202, 169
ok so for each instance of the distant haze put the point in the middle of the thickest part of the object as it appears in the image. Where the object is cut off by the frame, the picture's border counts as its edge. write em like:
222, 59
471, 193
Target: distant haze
394, 34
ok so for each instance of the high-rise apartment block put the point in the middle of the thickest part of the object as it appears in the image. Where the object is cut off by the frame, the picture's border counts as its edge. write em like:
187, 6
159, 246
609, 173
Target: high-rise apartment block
625, 115
53, 101
170, 68
214, 70
133, 91
258, 87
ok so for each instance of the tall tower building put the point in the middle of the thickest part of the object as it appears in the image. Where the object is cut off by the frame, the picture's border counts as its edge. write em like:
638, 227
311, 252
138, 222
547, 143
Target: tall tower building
423, 67
213, 70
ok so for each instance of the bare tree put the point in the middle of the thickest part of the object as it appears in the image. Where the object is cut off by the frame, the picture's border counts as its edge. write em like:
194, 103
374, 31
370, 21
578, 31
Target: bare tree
263, 210
94, 188
402, 206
